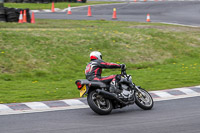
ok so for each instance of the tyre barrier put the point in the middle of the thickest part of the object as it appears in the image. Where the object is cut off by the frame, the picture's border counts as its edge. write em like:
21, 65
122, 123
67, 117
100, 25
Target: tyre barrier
2, 15
12, 14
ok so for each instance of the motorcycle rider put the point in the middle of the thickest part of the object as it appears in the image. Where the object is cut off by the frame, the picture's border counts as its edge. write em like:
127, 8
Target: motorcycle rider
94, 69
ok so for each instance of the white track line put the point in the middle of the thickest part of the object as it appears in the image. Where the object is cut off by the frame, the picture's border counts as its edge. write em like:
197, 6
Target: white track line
43, 110
73, 102
4, 108
162, 94
36, 105
188, 91
179, 24
177, 97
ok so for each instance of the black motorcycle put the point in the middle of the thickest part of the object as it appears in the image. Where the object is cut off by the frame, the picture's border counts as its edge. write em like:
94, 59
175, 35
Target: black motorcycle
102, 101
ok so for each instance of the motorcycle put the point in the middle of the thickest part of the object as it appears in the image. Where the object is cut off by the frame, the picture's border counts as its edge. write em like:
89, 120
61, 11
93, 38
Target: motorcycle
102, 101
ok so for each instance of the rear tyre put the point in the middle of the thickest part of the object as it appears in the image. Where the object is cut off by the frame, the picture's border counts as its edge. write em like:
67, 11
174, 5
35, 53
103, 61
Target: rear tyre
99, 104
144, 101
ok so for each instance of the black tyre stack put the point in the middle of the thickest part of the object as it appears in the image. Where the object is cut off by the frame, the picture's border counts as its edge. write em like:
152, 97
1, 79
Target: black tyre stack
12, 14
2, 15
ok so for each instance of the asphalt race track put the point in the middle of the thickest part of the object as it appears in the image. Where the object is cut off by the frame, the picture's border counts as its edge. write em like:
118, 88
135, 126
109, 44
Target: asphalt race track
182, 12
173, 116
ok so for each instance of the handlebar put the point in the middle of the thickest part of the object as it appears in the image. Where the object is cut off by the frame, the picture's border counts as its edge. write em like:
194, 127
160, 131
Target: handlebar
123, 72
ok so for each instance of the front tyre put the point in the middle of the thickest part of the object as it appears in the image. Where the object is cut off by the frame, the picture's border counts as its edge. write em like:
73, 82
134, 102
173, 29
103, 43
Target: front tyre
99, 104
144, 99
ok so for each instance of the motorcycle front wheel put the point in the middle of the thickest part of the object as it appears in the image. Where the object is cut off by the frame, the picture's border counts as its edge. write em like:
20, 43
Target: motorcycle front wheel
99, 104
144, 99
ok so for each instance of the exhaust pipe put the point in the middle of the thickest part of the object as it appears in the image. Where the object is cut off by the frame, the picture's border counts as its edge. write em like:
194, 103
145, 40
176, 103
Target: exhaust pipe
111, 96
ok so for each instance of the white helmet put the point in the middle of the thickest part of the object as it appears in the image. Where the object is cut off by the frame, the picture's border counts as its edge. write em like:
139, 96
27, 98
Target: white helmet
95, 55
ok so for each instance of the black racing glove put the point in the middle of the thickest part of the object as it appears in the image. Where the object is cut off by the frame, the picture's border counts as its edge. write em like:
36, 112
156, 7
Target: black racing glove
123, 66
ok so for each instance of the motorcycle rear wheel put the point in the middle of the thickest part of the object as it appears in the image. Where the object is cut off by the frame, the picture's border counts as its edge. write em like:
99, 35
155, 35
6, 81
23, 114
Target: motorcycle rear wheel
144, 101
99, 104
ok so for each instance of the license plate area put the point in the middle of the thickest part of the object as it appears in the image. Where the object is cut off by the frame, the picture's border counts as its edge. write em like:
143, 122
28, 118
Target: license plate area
83, 90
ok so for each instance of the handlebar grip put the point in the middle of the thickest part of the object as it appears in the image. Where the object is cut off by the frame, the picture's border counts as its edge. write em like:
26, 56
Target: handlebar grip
123, 71
123, 66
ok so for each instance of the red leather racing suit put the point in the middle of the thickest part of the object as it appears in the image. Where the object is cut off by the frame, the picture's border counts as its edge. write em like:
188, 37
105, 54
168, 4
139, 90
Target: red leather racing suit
94, 69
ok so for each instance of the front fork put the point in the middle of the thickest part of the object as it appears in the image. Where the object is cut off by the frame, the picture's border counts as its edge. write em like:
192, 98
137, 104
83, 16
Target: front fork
137, 88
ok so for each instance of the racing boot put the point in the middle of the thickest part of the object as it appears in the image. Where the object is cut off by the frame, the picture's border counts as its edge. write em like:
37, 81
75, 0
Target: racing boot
114, 87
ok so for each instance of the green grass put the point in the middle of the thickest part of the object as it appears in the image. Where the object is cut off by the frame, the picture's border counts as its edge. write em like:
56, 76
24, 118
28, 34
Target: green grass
42, 61
60, 5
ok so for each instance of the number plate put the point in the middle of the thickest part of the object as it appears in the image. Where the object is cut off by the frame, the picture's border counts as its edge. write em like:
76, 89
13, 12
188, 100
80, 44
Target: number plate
83, 90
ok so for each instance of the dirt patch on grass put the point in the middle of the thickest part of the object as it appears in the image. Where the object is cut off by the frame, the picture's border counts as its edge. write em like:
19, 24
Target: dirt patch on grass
193, 45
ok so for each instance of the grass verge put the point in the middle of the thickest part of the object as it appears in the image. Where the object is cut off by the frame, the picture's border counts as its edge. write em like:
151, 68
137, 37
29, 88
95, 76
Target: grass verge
60, 5
42, 61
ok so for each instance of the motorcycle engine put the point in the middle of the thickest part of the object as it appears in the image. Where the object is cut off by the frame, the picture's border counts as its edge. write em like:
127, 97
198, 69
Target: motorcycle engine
126, 93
